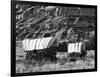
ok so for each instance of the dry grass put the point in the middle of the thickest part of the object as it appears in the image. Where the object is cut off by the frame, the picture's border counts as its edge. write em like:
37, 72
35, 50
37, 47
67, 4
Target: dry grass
63, 63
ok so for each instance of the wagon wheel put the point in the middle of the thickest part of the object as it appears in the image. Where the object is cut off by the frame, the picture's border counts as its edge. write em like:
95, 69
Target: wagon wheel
34, 54
40, 56
27, 56
30, 55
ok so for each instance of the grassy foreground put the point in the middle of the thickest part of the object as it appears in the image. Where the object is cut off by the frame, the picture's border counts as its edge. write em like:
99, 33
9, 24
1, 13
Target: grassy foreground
63, 63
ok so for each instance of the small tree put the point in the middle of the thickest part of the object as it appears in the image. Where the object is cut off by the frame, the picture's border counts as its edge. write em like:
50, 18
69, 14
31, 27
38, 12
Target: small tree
72, 36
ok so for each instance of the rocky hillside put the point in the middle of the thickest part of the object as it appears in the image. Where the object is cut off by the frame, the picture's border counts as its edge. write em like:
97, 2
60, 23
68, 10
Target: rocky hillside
33, 21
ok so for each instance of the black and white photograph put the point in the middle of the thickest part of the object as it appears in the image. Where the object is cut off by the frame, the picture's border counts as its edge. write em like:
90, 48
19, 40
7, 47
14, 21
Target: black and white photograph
53, 38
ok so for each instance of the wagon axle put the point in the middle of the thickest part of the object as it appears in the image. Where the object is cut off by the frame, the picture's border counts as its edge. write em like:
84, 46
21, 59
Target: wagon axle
38, 55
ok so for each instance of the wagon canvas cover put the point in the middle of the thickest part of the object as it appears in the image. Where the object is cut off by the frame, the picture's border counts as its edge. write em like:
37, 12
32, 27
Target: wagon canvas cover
36, 44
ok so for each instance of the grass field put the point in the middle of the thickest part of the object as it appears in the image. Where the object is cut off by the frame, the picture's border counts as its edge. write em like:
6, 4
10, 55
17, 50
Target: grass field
62, 63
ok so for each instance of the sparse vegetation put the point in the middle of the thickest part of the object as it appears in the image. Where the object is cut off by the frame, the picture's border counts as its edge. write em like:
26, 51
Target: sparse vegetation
62, 63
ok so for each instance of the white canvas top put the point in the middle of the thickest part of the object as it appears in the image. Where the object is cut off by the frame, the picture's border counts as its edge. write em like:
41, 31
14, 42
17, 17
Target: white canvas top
36, 44
74, 47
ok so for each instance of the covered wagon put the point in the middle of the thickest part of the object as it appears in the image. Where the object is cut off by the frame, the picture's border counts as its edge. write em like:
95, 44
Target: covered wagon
40, 48
77, 49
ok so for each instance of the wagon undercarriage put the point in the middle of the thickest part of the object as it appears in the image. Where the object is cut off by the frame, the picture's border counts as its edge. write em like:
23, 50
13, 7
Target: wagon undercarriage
40, 55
